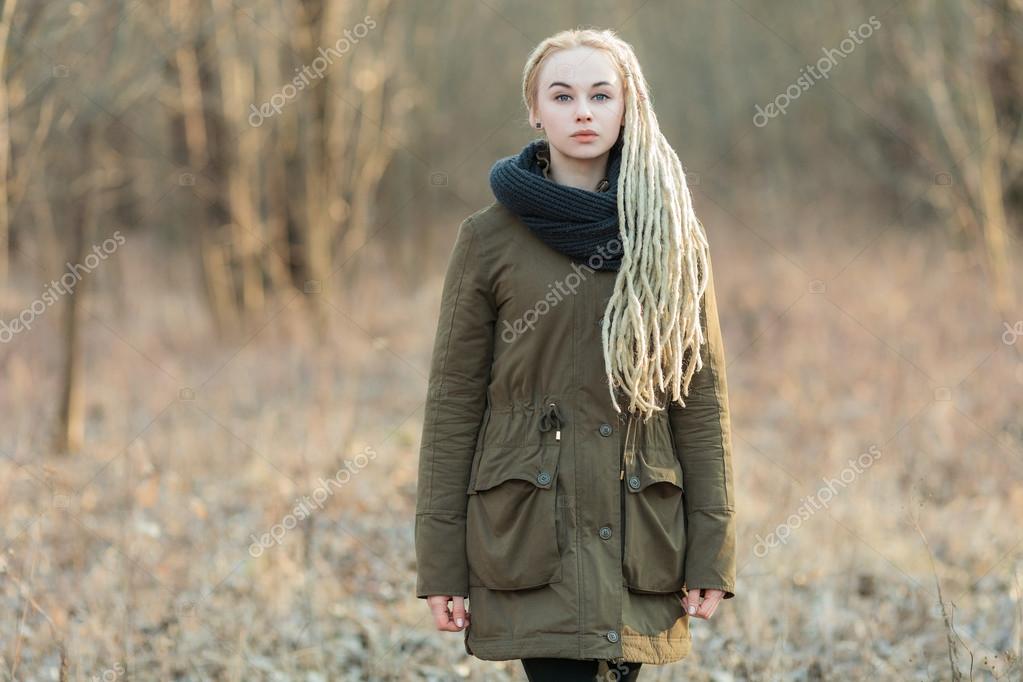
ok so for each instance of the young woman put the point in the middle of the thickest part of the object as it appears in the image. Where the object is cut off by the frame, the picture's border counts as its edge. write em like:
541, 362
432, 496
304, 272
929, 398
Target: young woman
575, 474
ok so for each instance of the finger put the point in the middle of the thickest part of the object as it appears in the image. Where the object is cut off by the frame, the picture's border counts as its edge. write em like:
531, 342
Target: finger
458, 612
441, 616
709, 604
691, 602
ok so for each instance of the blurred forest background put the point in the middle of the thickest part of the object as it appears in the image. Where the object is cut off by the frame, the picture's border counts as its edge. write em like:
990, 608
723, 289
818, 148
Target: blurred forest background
223, 228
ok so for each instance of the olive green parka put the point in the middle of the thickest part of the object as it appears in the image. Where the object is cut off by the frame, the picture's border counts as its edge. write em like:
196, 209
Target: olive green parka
574, 531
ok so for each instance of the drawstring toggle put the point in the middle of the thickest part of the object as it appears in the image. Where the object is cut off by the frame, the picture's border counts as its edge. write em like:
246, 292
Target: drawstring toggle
552, 419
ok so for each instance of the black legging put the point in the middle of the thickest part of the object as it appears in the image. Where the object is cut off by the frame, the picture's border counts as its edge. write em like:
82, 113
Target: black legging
571, 670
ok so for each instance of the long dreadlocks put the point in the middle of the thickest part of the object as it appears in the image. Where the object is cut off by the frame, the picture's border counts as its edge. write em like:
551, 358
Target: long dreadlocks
652, 328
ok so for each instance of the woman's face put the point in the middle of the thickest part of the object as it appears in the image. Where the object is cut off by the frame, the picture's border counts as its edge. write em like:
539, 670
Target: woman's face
579, 89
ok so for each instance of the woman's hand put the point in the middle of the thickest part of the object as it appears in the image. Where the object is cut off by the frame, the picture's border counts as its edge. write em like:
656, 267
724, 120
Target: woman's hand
711, 599
448, 621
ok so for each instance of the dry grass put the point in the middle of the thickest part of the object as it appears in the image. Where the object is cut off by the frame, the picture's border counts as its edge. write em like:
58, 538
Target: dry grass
133, 556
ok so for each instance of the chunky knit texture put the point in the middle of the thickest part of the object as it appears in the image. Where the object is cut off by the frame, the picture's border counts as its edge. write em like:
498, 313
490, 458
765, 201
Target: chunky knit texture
579, 223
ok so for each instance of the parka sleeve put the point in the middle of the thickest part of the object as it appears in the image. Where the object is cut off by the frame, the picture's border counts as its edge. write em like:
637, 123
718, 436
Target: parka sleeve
702, 433
456, 399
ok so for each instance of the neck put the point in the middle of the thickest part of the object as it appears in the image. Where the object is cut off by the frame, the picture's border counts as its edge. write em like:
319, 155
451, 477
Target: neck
580, 173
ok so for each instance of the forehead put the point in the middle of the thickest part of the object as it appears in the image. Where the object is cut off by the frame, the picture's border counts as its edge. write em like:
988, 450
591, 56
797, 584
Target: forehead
579, 67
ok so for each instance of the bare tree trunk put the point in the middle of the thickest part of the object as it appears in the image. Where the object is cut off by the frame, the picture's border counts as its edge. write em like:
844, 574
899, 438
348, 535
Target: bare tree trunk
71, 426
6, 13
273, 181
992, 202
372, 146
193, 151
959, 90
317, 243
236, 94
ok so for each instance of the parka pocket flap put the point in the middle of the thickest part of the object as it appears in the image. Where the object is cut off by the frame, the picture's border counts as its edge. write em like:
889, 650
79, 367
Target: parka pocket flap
651, 466
655, 535
513, 521
536, 464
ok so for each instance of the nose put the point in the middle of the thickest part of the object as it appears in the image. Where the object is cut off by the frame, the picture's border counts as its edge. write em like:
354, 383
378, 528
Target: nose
583, 113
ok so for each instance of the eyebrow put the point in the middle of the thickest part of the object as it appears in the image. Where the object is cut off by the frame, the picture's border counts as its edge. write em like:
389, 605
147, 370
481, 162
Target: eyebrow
566, 85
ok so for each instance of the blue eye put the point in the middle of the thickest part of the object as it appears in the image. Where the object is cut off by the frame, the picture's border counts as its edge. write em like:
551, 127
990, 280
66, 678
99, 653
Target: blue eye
599, 94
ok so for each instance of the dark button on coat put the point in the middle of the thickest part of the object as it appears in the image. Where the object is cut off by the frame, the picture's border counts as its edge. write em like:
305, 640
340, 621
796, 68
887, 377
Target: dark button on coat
525, 466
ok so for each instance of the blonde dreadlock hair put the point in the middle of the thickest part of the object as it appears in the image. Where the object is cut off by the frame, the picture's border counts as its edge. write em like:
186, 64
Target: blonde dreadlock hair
652, 327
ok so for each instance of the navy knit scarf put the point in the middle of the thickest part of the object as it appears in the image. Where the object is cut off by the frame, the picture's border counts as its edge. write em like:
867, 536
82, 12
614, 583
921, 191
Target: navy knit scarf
579, 223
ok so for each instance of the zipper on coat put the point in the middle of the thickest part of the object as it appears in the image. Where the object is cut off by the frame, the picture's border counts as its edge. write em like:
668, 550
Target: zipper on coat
631, 456
621, 488
621, 498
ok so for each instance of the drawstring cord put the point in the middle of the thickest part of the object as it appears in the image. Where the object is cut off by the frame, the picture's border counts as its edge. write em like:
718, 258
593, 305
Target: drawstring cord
552, 419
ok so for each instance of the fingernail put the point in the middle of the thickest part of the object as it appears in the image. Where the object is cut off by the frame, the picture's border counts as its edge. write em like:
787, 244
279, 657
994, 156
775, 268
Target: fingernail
458, 622
692, 610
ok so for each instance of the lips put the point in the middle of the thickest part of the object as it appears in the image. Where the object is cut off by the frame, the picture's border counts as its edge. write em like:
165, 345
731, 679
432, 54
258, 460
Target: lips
585, 133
